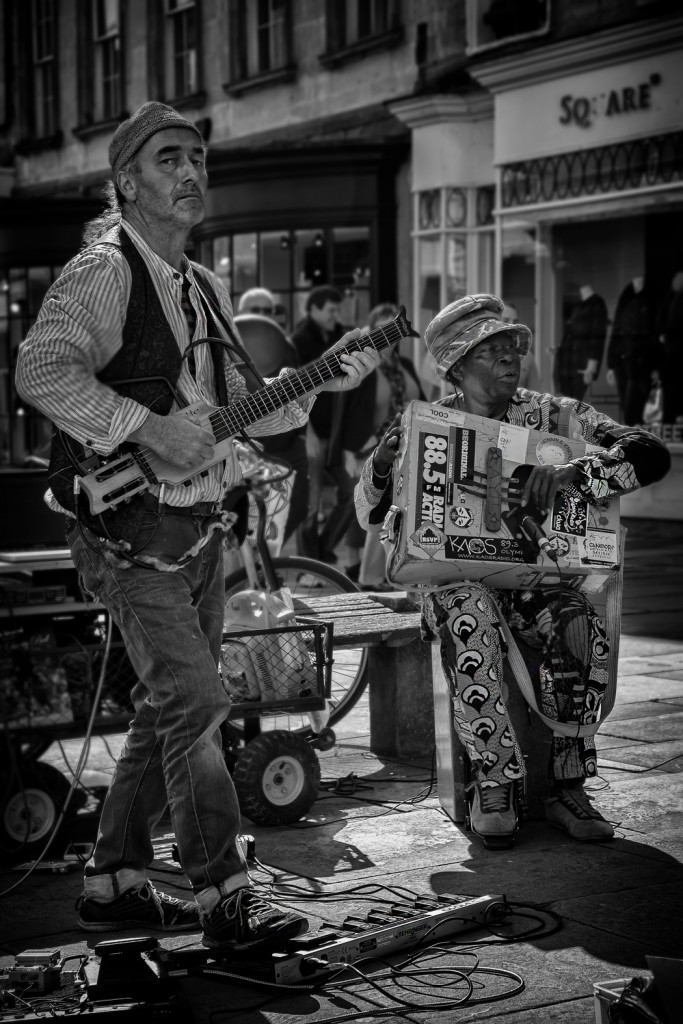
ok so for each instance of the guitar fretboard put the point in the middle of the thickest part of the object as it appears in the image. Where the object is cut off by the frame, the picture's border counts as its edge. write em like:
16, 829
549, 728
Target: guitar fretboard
225, 422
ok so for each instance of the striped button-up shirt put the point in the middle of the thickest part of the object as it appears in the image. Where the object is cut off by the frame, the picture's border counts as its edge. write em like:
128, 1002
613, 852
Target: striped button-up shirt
79, 331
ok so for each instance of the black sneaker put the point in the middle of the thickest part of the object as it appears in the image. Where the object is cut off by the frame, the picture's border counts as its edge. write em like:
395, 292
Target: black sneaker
145, 907
243, 920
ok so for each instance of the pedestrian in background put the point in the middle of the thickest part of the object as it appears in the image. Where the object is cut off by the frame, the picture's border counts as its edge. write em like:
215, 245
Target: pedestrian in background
357, 425
312, 336
279, 351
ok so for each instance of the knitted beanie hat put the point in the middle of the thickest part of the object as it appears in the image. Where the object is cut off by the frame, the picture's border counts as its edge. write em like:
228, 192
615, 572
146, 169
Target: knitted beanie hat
130, 135
465, 323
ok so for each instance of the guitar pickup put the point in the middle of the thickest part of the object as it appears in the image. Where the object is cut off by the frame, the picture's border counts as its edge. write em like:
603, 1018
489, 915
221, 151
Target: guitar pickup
114, 468
131, 488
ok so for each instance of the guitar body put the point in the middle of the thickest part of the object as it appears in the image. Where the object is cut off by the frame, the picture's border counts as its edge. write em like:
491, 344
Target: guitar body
124, 476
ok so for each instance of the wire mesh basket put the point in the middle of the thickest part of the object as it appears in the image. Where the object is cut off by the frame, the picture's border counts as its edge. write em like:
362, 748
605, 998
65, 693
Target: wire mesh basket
269, 671
48, 687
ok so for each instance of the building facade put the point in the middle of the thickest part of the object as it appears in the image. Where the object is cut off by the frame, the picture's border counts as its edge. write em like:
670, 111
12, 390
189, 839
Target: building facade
401, 151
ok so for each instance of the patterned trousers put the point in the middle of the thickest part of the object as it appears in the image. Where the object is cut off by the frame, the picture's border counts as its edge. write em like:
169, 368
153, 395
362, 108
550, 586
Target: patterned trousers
574, 652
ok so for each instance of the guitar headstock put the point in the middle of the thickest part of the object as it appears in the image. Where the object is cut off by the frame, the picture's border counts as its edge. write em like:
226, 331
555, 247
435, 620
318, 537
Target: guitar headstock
405, 325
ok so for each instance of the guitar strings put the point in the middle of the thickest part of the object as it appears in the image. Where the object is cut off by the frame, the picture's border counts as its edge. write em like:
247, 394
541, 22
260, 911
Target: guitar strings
379, 339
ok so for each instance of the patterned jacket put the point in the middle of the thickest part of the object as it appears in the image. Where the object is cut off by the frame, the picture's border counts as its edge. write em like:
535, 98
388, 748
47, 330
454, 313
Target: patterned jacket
631, 457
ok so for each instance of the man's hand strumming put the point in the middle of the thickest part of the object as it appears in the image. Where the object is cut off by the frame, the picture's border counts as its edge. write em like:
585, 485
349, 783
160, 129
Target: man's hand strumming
178, 439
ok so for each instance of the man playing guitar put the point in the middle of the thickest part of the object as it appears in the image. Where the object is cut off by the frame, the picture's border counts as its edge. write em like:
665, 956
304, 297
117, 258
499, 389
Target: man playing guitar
109, 357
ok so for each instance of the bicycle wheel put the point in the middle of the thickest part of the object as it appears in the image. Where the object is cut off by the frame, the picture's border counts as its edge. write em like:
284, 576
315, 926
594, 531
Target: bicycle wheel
306, 577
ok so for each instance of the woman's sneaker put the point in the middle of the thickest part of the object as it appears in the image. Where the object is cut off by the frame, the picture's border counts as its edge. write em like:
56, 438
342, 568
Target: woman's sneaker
144, 907
243, 920
570, 808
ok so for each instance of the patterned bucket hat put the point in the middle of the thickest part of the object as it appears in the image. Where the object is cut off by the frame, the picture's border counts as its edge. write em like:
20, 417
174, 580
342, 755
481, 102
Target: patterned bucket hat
465, 323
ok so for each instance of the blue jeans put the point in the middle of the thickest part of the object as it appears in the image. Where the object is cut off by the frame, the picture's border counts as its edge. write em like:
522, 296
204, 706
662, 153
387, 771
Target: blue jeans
171, 623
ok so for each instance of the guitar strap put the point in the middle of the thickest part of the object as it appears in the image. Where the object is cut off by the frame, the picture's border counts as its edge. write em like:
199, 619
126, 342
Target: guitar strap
213, 312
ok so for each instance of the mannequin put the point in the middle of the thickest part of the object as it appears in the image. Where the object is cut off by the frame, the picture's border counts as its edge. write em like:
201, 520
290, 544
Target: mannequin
632, 353
579, 355
670, 350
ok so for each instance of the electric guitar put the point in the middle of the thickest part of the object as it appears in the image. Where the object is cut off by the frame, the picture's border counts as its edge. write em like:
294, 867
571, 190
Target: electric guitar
122, 476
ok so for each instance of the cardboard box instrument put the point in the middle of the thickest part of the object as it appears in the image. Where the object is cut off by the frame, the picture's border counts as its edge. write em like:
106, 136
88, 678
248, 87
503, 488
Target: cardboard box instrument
456, 513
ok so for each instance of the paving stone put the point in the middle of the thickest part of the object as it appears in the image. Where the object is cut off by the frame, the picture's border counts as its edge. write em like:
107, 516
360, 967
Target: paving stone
605, 742
654, 729
637, 687
665, 757
644, 709
645, 646
643, 663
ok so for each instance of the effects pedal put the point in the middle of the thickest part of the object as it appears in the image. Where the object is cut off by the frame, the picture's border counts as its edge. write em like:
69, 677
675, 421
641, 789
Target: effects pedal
312, 958
36, 970
407, 926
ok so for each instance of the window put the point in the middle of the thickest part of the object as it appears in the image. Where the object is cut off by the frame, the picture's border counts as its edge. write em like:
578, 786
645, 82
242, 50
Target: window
260, 47
292, 261
182, 56
355, 21
453, 252
266, 49
100, 73
495, 22
356, 27
106, 44
44, 67
23, 431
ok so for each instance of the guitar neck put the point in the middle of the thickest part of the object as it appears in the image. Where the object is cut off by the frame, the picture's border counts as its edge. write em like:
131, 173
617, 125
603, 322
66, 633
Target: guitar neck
228, 421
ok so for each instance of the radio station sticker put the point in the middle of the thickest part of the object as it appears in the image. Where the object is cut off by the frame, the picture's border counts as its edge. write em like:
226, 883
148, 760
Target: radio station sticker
463, 446
483, 549
570, 514
553, 451
430, 499
461, 516
429, 539
599, 547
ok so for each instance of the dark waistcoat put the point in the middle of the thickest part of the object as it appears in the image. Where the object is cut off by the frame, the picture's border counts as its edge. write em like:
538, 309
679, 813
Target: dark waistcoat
146, 368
